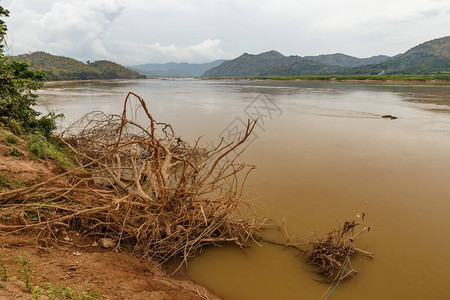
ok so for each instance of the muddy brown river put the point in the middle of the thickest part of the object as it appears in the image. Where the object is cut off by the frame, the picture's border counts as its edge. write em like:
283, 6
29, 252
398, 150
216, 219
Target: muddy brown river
322, 150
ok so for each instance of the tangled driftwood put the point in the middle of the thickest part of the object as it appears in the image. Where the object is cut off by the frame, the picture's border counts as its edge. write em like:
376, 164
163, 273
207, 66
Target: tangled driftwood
332, 252
142, 185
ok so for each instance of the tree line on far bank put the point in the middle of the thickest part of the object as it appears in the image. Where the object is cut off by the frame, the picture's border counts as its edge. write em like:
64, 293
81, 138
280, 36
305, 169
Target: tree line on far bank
65, 68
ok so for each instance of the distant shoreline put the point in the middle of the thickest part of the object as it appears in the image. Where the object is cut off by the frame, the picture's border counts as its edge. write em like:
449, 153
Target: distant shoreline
52, 82
414, 79
403, 79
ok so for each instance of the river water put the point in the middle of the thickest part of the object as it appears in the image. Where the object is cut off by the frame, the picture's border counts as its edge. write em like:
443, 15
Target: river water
322, 151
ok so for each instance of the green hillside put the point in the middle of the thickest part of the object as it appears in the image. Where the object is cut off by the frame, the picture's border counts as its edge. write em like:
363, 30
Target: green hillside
432, 57
65, 68
248, 65
270, 63
110, 70
343, 60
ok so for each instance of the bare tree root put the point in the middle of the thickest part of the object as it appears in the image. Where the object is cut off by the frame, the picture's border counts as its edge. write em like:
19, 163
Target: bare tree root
142, 185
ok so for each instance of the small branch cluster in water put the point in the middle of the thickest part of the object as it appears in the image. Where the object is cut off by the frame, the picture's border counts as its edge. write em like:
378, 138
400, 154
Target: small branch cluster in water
332, 252
142, 185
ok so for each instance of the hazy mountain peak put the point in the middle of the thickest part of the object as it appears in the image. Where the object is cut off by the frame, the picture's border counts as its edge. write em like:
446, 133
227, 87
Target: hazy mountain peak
173, 69
272, 53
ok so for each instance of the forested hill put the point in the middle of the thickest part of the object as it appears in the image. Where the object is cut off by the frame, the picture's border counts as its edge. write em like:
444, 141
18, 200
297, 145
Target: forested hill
343, 60
432, 57
65, 68
267, 64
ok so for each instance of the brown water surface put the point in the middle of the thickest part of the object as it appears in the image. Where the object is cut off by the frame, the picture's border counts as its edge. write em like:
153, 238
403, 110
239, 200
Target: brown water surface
322, 150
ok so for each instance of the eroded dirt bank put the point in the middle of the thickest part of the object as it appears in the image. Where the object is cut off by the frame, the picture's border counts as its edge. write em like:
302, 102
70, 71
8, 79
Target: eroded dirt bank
115, 275
75, 261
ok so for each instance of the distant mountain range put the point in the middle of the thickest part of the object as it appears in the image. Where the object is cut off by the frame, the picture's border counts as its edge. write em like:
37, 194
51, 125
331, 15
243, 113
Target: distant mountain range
432, 57
175, 69
269, 63
65, 68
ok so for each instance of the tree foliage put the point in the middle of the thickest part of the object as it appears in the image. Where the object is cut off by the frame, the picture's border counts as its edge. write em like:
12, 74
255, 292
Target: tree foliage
3, 28
18, 85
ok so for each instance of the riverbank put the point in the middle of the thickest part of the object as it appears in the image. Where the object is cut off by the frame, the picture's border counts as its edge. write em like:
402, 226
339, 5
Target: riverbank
76, 265
70, 259
383, 79
413, 79
53, 82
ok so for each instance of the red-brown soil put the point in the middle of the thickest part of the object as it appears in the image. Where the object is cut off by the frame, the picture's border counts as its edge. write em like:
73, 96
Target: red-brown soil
77, 262
117, 275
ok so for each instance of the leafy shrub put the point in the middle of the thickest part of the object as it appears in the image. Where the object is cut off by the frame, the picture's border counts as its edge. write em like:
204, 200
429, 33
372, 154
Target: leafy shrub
13, 152
47, 124
46, 148
11, 140
4, 269
26, 270
9, 183
60, 291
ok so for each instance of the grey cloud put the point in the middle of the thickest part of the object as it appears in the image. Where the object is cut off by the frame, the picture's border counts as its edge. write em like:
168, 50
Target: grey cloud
72, 29
137, 31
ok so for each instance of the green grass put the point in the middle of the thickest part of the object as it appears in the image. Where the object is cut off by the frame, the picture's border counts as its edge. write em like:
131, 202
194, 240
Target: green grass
46, 148
445, 78
4, 269
413, 78
11, 140
59, 291
15, 152
55, 291
26, 271
40, 145
9, 183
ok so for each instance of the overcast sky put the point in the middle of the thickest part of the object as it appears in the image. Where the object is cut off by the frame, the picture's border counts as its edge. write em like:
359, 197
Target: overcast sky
142, 31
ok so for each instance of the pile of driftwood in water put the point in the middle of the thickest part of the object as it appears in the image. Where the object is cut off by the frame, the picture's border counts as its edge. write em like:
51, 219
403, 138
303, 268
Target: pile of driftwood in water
331, 252
141, 185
